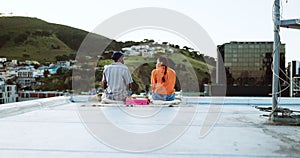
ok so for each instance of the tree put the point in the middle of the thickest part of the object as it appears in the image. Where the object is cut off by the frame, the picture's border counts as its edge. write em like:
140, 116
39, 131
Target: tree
187, 48
46, 73
148, 41
60, 71
36, 66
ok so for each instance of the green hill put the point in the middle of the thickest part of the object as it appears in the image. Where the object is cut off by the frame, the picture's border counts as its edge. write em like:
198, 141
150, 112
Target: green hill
25, 38
31, 38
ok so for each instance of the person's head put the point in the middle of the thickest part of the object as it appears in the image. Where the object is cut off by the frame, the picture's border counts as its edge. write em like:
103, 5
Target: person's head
162, 61
118, 57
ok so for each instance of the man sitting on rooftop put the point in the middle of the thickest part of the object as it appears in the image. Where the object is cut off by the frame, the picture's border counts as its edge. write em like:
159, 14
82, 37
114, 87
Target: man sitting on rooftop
116, 79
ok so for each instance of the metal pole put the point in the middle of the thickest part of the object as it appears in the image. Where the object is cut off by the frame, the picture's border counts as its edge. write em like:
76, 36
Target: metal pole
276, 16
217, 68
291, 79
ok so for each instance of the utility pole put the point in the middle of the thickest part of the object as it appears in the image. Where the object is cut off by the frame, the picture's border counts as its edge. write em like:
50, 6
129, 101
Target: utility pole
276, 48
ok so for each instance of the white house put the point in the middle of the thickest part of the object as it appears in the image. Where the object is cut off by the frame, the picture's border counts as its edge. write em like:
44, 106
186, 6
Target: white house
25, 77
8, 93
11, 71
3, 60
64, 64
146, 50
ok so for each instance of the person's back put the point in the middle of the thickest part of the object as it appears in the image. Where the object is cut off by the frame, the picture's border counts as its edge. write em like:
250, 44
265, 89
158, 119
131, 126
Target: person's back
116, 79
163, 80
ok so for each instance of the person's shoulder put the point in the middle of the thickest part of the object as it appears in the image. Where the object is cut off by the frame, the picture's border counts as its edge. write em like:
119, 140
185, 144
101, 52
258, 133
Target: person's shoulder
172, 70
154, 71
124, 66
119, 65
107, 67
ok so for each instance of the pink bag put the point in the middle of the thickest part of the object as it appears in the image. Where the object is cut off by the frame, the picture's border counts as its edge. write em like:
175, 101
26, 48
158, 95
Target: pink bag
137, 101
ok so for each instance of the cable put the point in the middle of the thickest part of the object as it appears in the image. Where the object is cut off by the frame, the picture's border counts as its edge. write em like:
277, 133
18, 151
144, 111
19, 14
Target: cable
277, 28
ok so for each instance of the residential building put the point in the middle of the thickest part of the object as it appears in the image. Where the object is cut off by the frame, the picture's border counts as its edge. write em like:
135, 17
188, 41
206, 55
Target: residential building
11, 71
25, 77
3, 60
52, 69
8, 93
32, 95
64, 64
146, 50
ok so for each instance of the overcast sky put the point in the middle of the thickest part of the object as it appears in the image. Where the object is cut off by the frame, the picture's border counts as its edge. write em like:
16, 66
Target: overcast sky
224, 20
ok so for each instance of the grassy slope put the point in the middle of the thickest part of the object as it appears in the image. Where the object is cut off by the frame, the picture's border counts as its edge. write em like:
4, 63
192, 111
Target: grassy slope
59, 39
39, 49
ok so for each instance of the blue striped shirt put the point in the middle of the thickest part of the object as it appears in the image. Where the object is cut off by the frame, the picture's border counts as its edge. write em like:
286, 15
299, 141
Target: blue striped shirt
118, 77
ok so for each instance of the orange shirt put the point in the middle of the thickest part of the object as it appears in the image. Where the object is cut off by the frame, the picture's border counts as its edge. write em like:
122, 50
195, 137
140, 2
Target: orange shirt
160, 87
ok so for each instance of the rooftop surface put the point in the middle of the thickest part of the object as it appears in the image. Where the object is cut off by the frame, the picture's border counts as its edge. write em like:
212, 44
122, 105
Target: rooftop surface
204, 127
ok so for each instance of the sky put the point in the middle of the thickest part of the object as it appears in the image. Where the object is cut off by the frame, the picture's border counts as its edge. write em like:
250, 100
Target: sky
223, 20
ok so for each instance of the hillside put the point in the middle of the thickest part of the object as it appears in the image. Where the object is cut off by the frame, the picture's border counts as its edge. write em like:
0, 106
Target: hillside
31, 38
25, 38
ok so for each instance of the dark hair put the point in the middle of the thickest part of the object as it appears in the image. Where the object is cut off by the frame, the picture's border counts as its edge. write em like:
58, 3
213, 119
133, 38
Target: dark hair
116, 56
164, 60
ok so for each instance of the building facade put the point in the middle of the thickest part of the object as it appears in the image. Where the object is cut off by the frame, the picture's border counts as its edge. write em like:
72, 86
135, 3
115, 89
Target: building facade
32, 95
26, 78
8, 93
294, 75
248, 67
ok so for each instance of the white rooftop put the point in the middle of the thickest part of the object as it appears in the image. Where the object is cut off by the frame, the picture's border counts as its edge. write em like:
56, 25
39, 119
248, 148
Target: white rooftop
55, 127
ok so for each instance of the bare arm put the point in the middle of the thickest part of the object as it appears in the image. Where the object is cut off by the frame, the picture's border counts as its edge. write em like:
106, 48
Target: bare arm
129, 86
153, 81
104, 84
